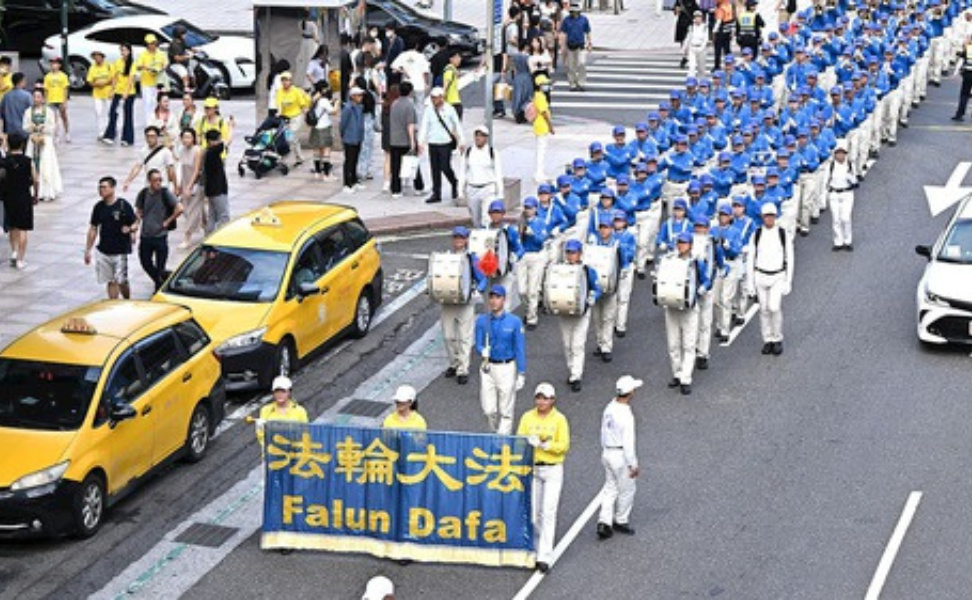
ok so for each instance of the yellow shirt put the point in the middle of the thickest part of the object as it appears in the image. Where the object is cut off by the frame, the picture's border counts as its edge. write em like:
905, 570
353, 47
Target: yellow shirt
450, 84
294, 412
540, 124
6, 84
552, 429
414, 421
56, 86
123, 81
291, 102
99, 78
153, 63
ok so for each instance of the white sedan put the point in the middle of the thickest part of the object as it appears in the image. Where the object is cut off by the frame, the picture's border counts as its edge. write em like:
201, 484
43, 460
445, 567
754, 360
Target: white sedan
945, 291
234, 54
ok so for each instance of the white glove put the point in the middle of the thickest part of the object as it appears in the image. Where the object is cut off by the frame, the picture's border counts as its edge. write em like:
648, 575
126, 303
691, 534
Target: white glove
663, 247
545, 445
533, 441
785, 290
590, 298
260, 425
520, 381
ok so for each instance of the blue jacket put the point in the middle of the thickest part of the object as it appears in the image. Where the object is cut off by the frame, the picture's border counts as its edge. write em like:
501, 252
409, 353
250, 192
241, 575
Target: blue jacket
648, 191
352, 123
669, 231
570, 206
619, 159
504, 336
722, 180
745, 226
597, 171
553, 218
678, 165
534, 235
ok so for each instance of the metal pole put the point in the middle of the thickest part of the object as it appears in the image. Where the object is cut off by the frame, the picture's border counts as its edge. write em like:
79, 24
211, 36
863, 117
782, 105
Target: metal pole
64, 34
488, 80
447, 10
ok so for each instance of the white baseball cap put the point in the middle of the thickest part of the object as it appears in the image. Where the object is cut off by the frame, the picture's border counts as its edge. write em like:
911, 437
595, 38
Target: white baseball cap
405, 393
546, 390
481, 130
627, 384
378, 588
356, 91
768, 209
436, 91
282, 382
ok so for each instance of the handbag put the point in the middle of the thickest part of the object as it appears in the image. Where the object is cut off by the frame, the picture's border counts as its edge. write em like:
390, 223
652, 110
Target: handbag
454, 143
410, 166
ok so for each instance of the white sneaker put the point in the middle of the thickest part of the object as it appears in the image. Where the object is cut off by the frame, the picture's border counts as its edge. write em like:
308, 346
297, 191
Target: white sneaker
106, 141
21, 265
386, 187
396, 196
359, 186
348, 190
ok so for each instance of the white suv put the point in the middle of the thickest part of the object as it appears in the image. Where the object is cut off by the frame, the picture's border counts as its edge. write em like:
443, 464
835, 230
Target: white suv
945, 290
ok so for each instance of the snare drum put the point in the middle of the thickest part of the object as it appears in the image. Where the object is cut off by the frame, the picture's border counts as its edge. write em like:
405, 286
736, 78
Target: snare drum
497, 240
606, 262
675, 283
450, 278
565, 289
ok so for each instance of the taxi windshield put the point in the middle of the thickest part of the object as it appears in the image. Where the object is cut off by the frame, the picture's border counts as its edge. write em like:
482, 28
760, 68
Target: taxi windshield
958, 245
43, 395
224, 273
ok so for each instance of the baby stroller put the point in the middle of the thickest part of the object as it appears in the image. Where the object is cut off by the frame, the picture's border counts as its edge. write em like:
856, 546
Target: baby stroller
268, 147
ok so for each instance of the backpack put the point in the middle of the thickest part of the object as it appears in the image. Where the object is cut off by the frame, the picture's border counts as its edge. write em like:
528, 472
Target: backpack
492, 154
310, 117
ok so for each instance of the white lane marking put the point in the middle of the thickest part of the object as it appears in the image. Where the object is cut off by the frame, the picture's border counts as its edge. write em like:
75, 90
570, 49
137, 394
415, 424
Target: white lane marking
887, 560
388, 239
531, 585
737, 330
414, 255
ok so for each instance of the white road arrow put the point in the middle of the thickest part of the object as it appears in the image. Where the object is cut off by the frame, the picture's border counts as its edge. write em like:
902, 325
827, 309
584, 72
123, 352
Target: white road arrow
940, 198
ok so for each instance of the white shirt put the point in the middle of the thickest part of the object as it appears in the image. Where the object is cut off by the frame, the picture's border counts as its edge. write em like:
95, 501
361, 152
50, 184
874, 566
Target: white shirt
415, 66
160, 161
841, 177
698, 36
769, 253
480, 169
618, 431
323, 108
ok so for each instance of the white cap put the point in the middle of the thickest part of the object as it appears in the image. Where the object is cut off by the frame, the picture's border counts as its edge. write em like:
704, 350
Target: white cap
378, 588
546, 390
482, 130
627, 384
841, 146
768, 209
356, 91
405, 393
436, 91
282, 382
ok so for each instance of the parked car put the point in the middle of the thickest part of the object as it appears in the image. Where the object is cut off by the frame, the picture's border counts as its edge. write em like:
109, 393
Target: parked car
428, 34
944, 296
27, 22
273, 285
232, 53
92, 403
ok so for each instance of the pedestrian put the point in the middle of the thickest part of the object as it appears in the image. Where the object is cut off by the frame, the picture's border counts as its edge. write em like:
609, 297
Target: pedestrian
20, 190
684, 13
6, 77
310, 43
318, 69
380, 587
548, 432
539, 60
166, 121
458, 320
212, 120
322, 107
842, 179
403, 139
189, 158
501, 343
15, 103
450, 81
698, 42
405, 415
724, 30
40, 123
346, 64
369, 110
523, 84
291, 102
620, 460
114, 225
215, 185
480, 176
100, 78
542, 127
573, 328
154, 156
189, 115
966, 88
440, 134
415, 69
575, 39
123, 93
283, 408
157, 209
393, 47
770, 276
352, 135
393, 94
57, 88
150, 65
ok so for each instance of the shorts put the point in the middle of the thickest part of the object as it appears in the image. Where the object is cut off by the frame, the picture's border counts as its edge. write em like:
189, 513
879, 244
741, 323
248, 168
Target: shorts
111, 268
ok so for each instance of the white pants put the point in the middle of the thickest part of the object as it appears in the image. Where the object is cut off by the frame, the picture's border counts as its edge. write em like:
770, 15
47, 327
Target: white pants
547, 483
876, 118
890, 115
101, 114
150, 97
919, 75
625, 287
706, 306
822, 172
863, 148
842, 205
604, 313
573, 332
769, 290
907, 87
938, 60
697, 62
294, 138
725, 290
540, 174
682, 328
478, 199
649, 222
497, 395
458, 322
808, 198
617, 495
529, 275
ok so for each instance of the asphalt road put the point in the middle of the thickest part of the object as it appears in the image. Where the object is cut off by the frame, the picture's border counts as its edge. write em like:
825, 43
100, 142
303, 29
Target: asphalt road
778, 478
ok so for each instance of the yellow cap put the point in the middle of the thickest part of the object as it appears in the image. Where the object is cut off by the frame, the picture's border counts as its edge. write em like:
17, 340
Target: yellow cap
542, 79
151, 39
211, 103
286, 75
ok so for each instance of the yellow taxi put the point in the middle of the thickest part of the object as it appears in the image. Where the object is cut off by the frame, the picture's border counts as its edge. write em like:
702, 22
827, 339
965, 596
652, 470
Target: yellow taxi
273, 285
93, 402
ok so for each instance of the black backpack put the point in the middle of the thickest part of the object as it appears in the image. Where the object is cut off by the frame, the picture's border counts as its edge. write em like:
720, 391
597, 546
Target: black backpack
310, 117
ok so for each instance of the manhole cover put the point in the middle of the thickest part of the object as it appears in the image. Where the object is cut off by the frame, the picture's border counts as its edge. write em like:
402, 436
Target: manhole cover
204, 534
364, 408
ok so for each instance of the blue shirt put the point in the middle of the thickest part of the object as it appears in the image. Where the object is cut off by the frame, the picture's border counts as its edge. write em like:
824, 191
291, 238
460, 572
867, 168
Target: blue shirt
670, 230
504, 336
534, 235
619, 159
576, 29
15, 104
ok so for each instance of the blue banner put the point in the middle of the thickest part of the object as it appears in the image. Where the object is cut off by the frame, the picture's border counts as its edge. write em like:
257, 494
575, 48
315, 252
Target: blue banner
401, 494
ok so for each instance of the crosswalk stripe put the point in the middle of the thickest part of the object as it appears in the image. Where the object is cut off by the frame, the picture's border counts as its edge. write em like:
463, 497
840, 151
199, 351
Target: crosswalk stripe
627, 82
617, 106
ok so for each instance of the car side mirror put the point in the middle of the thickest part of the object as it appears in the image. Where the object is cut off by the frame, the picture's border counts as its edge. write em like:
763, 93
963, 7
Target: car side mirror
307, 289
122, 411
923, 251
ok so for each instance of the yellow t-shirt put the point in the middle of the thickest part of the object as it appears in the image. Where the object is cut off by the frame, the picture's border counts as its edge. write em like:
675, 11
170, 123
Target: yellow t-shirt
552, 429
6, 84
450, 85
153, 63
414, 421
123, 81
56, 86
294, 412
540, 124
291, 102
99, 78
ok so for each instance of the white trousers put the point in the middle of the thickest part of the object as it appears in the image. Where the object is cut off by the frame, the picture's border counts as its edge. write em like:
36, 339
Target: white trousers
808, 198
649, 222
625, 287
617, 495
604, 313
150, 97
822, 172
725, 290
863, 148
938, 60
547, 483
842, 206
890, 115
682, 329
706, 307
458, 322
529, 274
769, 290
697, 62
478, 199
573, 332
919, 73
101, 114
540, 173
497, 395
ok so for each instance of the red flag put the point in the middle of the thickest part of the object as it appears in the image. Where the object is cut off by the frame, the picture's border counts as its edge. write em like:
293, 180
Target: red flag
489, 264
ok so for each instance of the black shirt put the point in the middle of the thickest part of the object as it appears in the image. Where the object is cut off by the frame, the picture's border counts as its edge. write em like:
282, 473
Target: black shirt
109, 220
214, 171
177, 47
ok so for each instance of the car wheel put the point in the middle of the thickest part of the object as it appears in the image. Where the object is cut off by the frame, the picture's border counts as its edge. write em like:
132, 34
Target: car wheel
431, 49
198, 436
89, 506
286, 359
363, 313
78, 77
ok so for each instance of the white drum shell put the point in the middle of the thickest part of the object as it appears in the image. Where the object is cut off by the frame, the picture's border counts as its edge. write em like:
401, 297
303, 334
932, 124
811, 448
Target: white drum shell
450, 278
565, 289
497, 240
606, 262
675, 283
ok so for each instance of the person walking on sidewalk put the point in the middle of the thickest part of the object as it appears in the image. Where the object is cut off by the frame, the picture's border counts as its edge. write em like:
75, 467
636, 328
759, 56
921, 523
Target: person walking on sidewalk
39, 122
150, 65
698, 43
684, 13
188, 157
123, 93
403, 139
15, 103
99, 78
542, 126
352, 134
291, 102
724, 31
441, 133
575, 38
215, 186
114, 225
19, 189
157, 209
480, 176
57, 87
619, 457
450, 82
154, 156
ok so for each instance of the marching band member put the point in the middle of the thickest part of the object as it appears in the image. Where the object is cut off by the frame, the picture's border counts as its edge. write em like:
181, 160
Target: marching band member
501, 343
675, 225
682, 324
648, 189
606, 309
726, 284
770, 275
532, 259
629, 247
573, 328
497, 214
458, 319
709, 258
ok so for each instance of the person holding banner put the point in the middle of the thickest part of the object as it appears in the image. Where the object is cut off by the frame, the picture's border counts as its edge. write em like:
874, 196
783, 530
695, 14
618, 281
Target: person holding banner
620, 460
548, 432
283, 407
405, 415
502, 344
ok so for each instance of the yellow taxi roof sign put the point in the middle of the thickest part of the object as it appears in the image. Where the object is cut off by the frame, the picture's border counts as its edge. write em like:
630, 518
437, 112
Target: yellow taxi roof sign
266, 217
78, 325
